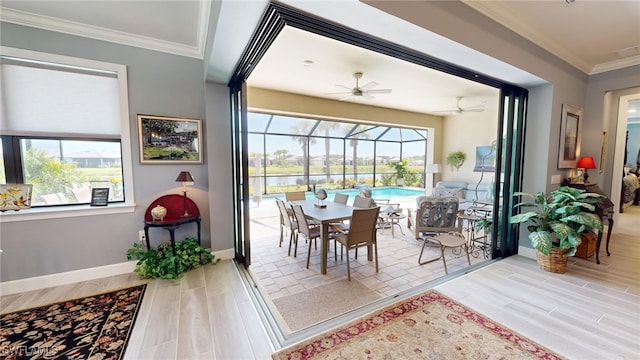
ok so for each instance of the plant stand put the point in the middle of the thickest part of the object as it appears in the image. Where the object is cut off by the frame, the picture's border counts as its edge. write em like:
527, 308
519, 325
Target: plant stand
555, 262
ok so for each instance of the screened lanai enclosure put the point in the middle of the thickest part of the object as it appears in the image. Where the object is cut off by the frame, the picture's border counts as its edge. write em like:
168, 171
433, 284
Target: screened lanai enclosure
293, 153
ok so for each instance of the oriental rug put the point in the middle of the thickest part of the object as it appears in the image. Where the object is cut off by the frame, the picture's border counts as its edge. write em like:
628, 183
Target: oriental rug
92, 327
428, 326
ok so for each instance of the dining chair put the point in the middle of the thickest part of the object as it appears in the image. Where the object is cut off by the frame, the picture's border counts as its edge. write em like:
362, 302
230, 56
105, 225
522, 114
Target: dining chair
295, 195
310, 232
361, 232
287, 224
436, 222
362, 202
341, 198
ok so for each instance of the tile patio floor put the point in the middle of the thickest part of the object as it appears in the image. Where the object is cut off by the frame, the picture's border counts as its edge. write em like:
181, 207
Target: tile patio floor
279, 275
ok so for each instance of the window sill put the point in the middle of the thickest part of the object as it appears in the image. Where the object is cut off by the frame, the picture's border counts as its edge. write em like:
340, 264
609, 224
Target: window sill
65, 212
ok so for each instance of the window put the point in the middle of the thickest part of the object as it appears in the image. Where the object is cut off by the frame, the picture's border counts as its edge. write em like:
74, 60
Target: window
63, 126
292, 153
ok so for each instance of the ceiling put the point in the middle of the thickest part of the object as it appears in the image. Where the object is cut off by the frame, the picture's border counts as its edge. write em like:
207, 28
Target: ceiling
593, 36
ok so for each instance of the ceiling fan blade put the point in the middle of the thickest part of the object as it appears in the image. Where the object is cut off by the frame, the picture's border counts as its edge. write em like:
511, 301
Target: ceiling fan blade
379, 91
338, 93
345, 98
366, 95
345, 87
473, 110
369, 86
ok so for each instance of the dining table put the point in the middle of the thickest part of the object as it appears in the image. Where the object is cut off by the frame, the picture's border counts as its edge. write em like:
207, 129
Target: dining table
331, 213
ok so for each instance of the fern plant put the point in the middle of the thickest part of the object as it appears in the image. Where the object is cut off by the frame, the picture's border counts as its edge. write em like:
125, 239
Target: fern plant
162, 263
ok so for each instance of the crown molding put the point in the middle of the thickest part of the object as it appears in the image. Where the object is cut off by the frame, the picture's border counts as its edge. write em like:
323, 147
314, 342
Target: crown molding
99, 33
497, 12
615, 65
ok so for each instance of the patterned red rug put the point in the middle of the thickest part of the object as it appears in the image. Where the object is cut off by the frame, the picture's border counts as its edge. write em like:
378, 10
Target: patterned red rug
93, 327
429, 326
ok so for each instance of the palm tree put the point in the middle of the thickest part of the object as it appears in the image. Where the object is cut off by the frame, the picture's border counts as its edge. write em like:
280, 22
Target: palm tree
360, 134
327, 126
300, 132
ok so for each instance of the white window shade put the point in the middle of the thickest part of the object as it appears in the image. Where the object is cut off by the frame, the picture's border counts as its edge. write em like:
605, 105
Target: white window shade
36, 99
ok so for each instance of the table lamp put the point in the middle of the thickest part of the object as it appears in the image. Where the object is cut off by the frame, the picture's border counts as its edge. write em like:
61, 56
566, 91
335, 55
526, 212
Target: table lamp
185, 177
586, 163
433, 169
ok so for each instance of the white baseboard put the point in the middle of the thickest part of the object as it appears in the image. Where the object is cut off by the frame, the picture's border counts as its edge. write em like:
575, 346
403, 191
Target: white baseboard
224, 254
527, 252
64, 278
69, 277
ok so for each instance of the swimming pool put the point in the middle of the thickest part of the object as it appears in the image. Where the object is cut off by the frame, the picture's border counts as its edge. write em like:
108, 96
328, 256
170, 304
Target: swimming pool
376, 193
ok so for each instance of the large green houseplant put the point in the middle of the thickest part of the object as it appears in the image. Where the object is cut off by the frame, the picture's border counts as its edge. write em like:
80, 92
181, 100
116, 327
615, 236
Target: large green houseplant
557, 220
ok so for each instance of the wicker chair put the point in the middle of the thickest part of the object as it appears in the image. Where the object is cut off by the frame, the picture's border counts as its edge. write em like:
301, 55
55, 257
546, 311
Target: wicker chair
311, 233
436, 221
361, 232
287, 223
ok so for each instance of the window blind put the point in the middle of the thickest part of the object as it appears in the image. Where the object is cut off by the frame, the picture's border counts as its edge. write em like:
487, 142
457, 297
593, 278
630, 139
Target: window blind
50, 99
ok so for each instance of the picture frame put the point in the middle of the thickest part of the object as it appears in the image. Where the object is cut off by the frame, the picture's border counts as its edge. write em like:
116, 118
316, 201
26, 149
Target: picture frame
99, 196
485, 159
570, 136
169, 140
603, 151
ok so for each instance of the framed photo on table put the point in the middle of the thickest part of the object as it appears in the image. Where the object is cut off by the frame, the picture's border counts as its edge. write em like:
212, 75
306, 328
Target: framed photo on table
99, 196
169, 140
570, 136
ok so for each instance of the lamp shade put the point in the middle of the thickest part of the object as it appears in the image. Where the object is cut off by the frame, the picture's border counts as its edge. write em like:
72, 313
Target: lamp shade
433, 168
587, 162
185, 176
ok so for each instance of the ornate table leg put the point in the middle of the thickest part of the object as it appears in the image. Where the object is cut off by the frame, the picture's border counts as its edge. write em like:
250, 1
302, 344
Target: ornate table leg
609, 234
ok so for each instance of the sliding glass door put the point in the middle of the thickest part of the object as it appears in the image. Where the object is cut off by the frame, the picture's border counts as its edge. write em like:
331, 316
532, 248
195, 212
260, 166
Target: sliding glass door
509, 137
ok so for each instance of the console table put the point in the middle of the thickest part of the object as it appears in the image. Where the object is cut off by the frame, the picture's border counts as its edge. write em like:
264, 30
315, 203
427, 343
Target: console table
604, 209
175, 205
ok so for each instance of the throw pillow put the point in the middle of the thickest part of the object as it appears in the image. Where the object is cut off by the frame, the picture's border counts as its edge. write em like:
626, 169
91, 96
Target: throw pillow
443, 192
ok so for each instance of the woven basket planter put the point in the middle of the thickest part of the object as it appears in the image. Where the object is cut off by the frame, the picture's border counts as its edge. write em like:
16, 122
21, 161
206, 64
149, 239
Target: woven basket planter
555, 262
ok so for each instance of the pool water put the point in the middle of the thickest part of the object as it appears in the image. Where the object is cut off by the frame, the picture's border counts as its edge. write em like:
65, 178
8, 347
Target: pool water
376, 193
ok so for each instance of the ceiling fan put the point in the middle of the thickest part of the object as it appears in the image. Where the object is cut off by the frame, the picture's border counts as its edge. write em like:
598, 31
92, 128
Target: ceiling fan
457, 110
364, 91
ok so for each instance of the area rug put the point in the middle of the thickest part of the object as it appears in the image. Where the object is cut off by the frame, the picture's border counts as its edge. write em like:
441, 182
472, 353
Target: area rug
323, 302
429, 326
93, 327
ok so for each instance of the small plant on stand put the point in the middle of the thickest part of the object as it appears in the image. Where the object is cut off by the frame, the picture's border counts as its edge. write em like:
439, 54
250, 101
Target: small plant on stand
401, 168
161, 263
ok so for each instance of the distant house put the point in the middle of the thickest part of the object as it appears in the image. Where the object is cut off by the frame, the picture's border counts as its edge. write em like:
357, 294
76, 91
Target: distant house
93, 158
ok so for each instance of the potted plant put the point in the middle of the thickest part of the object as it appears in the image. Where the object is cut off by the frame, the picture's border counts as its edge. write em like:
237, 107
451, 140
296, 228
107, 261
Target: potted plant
456, 159
162, 263
556, 222
401, 168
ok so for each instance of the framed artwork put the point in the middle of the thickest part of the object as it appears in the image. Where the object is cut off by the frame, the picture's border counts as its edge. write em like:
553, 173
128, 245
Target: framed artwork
603, 151
570, 130
169, 140
99, 196
485, 159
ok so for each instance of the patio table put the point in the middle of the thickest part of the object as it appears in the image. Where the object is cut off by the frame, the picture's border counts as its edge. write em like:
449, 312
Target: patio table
332, 213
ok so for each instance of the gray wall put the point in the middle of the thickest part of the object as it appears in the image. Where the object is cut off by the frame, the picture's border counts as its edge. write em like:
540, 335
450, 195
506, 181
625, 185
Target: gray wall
601, 112
159, 84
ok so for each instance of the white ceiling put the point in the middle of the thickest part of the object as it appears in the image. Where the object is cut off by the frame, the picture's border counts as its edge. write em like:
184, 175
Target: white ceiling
593, 36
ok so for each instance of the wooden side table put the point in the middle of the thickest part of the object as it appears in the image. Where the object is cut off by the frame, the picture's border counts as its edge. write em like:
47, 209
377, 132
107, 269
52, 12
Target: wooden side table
604, 209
